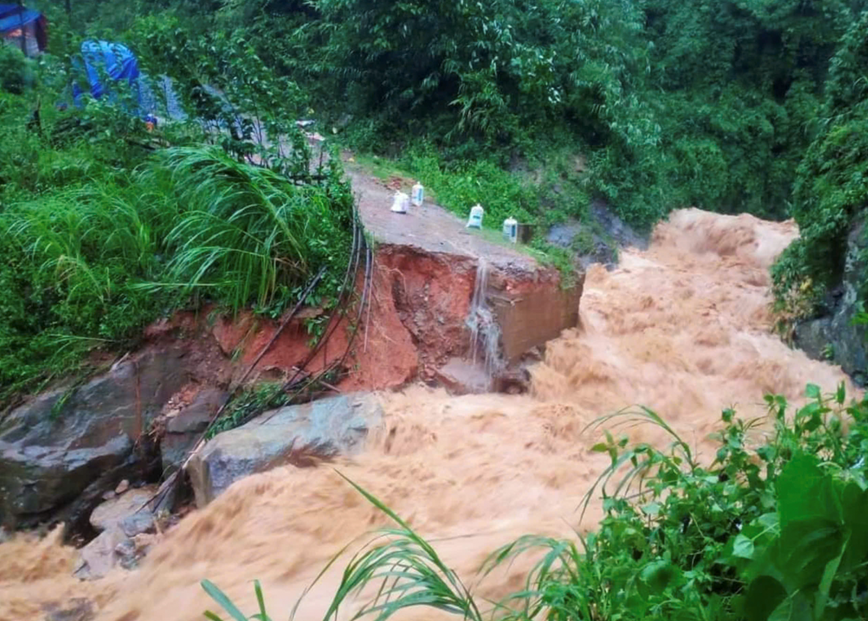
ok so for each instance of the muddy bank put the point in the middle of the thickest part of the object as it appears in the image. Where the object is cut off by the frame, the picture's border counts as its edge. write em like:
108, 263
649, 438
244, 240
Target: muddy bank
683, 327
61, 451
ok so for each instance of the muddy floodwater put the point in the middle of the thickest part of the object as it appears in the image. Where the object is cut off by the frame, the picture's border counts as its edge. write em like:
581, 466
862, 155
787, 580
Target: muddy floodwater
683, 328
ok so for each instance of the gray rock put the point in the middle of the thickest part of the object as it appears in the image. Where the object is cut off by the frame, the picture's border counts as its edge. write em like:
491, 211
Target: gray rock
111, 549
112, 513
55, 446
462, 377
596, 240
814, 336
138, 523
76, 609
292, 435
126, 554
616, 228
183, 429
834, 337
120, 520
563, 234
98, 557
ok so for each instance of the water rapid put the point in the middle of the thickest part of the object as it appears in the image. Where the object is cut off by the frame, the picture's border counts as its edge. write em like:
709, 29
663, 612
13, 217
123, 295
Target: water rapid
683, 328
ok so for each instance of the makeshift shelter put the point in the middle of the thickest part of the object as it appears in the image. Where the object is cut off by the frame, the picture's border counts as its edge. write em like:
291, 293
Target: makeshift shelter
24, 28
104, 61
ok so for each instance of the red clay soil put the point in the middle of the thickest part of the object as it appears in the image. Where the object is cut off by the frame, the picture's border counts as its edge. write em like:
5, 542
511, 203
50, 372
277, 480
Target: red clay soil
425, 266
383, 354
419, 303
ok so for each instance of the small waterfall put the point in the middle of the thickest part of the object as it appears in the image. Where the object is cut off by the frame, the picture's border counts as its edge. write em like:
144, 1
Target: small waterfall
484, 331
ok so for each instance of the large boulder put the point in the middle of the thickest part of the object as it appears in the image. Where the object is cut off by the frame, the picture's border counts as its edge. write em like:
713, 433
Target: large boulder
292, 435
55, 447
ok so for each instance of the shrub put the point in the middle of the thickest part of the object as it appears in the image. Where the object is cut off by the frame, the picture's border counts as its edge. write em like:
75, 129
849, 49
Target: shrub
248, 235
830, 191
15, 71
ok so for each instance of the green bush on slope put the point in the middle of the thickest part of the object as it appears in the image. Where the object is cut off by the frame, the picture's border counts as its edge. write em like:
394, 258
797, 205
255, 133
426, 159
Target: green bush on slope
831, 187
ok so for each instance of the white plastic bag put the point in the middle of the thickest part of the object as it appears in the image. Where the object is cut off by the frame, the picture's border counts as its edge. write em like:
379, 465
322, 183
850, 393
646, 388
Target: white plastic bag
476, 215
401, 203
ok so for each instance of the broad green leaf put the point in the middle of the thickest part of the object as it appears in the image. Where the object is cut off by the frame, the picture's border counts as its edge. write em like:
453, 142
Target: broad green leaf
808, 546
812, 391
805, 492
795, 608
658, 574
826, 583
764, 595
769, 521
652, 508
743, 547
854, 502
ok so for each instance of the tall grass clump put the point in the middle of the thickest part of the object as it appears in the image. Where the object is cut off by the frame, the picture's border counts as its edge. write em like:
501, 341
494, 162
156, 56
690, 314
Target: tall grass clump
92, 265
775, 528
94, 249
107, 223
249, 235
71, 261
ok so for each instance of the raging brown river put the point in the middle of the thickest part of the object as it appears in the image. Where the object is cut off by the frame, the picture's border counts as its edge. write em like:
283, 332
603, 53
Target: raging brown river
683, 328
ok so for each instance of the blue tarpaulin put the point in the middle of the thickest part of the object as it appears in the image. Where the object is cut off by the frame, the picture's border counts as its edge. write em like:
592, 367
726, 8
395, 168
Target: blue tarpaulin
104, 60
13, 19
18, 23
6, 9
113, 62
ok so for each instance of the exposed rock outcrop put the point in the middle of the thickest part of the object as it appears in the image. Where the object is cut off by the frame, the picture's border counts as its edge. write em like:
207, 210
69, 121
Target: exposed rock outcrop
55, 447
598, 239
833, 336
298, 435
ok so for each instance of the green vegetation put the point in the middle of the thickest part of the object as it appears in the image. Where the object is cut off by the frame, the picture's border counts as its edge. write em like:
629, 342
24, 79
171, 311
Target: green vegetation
776, 528
107, 226
250, 402
532, 109
831, 184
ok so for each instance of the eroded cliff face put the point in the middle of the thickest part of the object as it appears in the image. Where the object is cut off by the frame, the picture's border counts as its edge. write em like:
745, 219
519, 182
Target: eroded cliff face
61, 451
834, 336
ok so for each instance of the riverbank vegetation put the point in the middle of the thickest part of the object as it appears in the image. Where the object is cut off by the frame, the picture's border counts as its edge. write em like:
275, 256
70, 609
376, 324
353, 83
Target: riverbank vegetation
108, 225
773, 529
533, 109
